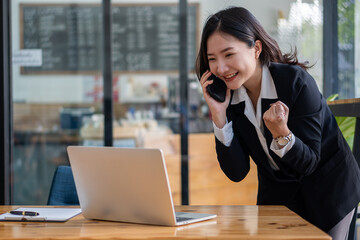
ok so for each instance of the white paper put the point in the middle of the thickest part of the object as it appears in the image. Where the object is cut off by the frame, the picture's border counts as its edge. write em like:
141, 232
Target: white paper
45, 214
27, 57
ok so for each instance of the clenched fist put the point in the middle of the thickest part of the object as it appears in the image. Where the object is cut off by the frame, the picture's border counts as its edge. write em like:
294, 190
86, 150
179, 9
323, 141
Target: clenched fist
276, 118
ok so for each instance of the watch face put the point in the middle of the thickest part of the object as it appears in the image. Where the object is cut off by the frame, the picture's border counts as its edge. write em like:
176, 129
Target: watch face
283, 141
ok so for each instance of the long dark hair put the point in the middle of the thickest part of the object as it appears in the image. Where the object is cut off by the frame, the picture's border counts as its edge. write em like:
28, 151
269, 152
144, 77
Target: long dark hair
240, 23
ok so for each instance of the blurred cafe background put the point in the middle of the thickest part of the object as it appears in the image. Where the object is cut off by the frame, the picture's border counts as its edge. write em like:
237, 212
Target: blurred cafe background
58, 87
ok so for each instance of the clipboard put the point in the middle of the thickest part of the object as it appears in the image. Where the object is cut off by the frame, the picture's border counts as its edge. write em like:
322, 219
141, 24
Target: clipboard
45, 215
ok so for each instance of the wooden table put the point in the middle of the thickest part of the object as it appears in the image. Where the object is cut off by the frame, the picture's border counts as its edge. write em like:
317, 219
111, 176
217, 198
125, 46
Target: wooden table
232, 222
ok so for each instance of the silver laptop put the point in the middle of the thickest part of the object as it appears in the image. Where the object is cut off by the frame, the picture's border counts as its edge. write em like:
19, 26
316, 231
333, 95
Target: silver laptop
127, 185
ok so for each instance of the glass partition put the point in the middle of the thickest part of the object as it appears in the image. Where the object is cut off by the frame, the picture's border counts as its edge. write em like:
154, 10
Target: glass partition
58, 86
293, 24
57, 89
348, 49
145, 54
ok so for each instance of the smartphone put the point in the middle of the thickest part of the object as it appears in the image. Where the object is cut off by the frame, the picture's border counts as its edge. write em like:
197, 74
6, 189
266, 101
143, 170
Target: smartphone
217, 90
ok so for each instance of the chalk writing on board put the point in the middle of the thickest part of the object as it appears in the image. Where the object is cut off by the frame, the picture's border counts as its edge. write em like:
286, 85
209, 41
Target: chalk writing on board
144, 38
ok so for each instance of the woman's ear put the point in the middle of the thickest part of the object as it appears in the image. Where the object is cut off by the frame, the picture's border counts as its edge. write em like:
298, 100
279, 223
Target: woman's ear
258, 48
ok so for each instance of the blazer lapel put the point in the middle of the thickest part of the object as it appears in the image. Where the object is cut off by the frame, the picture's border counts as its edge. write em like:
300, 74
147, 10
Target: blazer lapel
245, 127
248, 133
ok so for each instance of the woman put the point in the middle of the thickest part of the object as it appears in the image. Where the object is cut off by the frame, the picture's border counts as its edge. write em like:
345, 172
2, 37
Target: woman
274, 113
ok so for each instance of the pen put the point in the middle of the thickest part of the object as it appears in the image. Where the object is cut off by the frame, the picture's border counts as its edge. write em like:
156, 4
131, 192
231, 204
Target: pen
24, 213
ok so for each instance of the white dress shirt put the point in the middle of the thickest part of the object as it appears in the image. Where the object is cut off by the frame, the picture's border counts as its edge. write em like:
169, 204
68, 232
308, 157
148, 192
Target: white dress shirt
268, 91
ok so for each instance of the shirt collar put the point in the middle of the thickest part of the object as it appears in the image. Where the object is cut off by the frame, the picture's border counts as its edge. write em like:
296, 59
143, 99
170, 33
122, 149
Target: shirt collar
267, 91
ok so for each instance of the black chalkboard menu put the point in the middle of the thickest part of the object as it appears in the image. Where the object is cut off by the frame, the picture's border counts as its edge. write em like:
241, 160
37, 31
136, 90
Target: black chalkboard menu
145, 38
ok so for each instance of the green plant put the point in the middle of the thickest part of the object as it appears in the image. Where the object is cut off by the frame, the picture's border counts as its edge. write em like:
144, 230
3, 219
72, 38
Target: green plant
346, 124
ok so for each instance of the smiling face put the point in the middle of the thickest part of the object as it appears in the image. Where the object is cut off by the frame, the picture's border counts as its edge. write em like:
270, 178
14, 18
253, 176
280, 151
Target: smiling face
234, 61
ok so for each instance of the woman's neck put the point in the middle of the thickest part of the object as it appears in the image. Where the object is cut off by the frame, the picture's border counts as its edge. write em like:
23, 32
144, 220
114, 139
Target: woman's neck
253, 85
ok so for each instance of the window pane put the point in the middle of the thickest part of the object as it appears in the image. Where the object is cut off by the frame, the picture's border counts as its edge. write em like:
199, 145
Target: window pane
357, 48
348, 50
57, 89
146, 68
293, 24
300, 27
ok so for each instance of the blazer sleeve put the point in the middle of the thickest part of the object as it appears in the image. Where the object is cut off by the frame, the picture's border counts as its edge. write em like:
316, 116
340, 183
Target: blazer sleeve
307, 108
234, 160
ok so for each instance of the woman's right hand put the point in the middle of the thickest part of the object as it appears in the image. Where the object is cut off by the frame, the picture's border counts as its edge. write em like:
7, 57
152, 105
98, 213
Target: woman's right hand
217, 109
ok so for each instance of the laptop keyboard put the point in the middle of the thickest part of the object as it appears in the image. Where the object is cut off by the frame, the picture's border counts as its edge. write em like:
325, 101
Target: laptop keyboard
181, 219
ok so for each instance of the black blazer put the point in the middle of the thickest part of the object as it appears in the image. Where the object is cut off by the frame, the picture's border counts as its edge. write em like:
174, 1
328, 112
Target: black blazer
319, 178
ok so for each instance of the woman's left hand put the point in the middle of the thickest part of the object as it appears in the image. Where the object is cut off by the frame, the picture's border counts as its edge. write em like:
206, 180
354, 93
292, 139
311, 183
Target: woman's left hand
276, 118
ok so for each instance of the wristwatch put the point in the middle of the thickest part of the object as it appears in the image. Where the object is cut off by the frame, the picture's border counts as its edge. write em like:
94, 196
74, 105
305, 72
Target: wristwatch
282, 141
